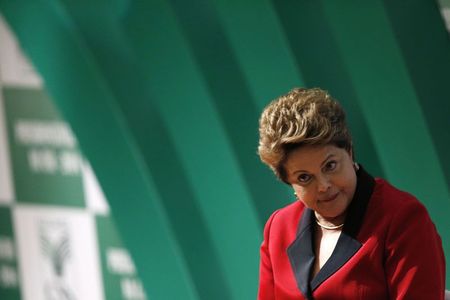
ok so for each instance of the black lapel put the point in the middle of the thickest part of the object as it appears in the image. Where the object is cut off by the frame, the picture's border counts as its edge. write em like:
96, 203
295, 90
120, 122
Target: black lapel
301, 251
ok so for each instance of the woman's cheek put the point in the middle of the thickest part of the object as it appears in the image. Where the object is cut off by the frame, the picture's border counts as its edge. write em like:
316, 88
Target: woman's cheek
305, 197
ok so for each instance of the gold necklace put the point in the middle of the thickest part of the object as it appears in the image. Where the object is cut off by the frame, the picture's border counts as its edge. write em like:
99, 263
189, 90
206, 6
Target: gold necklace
334, 227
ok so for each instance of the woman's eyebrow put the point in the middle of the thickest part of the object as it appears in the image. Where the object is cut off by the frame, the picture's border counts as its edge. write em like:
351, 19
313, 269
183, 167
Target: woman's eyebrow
327, 158
298, 171
321, 165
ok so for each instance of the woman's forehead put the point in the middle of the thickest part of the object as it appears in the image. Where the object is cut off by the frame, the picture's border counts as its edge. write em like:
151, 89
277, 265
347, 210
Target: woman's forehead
310, 157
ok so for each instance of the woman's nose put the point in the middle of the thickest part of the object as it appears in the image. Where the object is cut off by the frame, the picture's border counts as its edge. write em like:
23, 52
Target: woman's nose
323, 183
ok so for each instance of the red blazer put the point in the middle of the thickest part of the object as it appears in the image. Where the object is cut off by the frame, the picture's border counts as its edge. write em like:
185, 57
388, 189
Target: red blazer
388, 249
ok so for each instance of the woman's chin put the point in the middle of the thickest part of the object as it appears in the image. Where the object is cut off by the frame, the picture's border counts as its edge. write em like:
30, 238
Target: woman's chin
332, 215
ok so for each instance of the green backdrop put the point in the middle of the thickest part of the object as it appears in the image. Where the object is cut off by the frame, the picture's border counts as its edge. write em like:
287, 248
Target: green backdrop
164, 98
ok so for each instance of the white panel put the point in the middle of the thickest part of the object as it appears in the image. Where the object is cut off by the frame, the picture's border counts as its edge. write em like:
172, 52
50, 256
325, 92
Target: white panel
93, 193
15, 68
57, 253
445, 11
6, 185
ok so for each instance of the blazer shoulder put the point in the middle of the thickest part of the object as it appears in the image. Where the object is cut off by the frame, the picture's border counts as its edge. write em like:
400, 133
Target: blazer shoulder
395, 200
283, 223
290, 212
390, 211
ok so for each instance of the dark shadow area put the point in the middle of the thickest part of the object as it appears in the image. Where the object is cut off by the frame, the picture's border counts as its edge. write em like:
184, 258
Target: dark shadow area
231, 96
426, 49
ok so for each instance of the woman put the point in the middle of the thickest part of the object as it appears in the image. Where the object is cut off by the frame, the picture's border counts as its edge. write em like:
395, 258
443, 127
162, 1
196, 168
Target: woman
349, 236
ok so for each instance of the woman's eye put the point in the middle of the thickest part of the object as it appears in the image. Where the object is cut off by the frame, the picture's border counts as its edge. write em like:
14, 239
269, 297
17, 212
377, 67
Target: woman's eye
331, 165
303, 178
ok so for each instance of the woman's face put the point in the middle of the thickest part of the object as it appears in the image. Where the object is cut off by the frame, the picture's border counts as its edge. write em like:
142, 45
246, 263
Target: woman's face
323, 177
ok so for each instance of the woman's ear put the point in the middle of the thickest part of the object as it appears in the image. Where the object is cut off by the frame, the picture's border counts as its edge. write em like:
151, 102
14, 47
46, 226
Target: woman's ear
352, 157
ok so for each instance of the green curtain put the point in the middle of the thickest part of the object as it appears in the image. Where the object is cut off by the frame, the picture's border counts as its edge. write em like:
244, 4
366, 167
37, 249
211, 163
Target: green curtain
164, 98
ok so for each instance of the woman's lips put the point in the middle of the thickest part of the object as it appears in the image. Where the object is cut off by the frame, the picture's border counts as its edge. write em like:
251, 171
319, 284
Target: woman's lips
329, 199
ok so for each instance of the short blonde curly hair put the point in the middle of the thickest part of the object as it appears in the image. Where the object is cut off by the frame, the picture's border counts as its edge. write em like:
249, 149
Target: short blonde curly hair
301, 117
